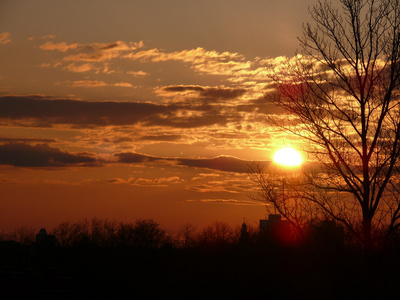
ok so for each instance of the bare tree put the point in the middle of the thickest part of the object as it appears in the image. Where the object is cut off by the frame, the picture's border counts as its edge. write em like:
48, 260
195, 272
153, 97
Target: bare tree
341, 96
219, 234
283, 191
186, 235
148, 234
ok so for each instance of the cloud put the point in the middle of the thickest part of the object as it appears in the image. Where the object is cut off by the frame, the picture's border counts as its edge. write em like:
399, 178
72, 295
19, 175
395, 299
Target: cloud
98, 52
97, 83
260, 106
229, 201
48, 36
201, 60
199, 54
154, 182
88, 83
162, 137
214, 93
118, 181
123, 84
93, 56
158, 182
224, 186
41, 111
129, 157
79, 68
183, 88
92, 47
41, 155
5, 37
138, 73
119, 140
220, 163
235, 66
26, 140
62, 47
38, 111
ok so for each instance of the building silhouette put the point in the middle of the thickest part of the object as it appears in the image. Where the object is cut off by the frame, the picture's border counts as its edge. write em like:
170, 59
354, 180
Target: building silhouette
277, 230
45, 239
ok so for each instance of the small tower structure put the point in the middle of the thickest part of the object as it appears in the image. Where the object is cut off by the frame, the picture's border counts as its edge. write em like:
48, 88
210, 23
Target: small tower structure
244, 234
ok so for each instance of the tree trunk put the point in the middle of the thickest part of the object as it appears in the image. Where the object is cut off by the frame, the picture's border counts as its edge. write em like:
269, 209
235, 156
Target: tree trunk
367, 233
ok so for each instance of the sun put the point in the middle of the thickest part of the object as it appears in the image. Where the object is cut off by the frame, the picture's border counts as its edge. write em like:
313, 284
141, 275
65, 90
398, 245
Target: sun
288, 157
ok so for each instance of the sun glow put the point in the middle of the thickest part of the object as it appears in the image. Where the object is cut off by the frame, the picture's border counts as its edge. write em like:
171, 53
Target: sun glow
288, 157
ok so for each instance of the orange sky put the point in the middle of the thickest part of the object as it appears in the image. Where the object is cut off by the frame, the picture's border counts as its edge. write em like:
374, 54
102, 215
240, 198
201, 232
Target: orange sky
137, 109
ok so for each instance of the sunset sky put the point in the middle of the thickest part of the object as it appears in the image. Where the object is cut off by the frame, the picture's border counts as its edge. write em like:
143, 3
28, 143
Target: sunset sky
130, 109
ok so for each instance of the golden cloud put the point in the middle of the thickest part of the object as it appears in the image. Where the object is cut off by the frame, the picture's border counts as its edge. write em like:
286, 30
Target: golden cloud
123, 84
62, 47
202, 60
79, 68
88, 83
5, 37
97, 83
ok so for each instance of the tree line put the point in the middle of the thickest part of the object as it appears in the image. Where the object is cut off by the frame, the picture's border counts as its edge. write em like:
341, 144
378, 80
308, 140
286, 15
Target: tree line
101, 258
148, 234
142, 233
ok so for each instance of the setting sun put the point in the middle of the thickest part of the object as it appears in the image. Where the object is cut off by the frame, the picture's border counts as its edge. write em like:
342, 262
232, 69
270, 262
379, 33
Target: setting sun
288, 157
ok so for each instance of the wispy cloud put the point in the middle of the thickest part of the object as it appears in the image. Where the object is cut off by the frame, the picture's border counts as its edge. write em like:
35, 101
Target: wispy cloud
199, 92
97, 83
5, 37
160, 182
88, 83
200, 59
229, 201
138, 73
123, 84
85, 57
79, 68
151, 182
162, 137
91, 51
246, 77
62, 47
98, 52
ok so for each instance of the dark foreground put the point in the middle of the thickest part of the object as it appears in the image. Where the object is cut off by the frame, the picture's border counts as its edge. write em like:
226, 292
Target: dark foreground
249, 271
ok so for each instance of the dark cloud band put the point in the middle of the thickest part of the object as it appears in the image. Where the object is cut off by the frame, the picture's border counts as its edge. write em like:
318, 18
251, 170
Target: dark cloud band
221, 163
41, 155
37, 111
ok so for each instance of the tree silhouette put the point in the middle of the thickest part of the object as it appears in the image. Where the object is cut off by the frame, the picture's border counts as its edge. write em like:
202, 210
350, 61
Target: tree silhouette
217, 235
148, 235
341, 96
186, 235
